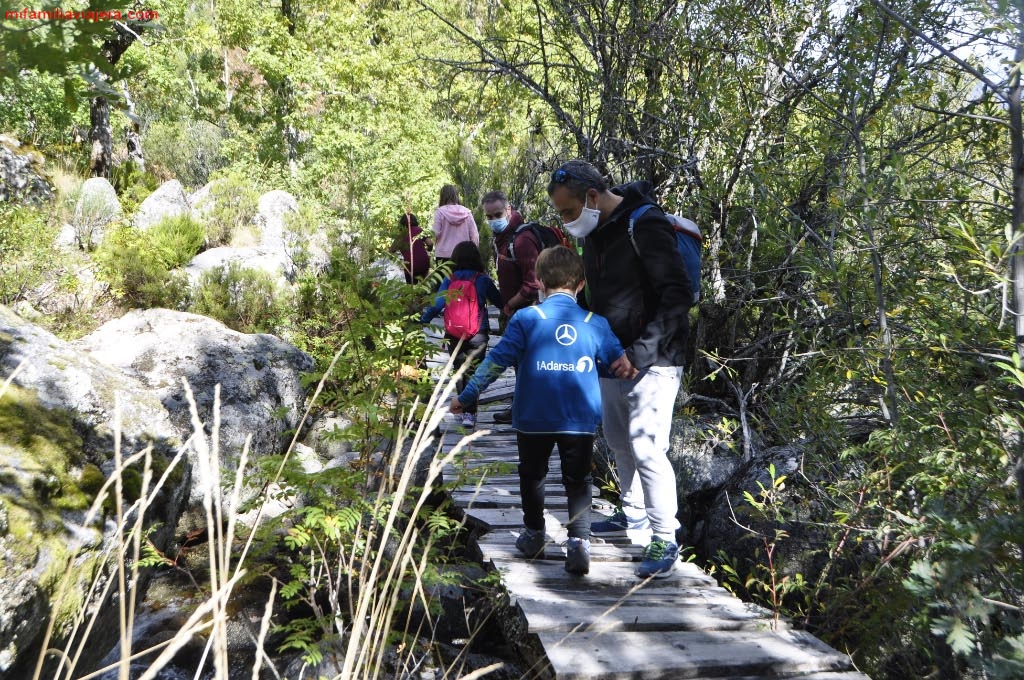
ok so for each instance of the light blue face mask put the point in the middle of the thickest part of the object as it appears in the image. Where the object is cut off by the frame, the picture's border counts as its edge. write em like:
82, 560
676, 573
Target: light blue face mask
499, 225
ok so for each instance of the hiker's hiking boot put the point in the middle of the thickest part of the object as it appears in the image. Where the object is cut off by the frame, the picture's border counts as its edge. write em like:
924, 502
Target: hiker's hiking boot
531, 543
577, 556
618, 523
659, 559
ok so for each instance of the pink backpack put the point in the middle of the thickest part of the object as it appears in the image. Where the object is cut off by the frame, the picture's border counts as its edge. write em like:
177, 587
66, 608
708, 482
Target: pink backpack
462, 309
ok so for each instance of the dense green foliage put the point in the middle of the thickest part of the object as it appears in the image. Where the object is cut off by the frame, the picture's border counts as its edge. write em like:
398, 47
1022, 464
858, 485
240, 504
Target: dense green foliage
243, 299
137, 272
25, 251
851, 176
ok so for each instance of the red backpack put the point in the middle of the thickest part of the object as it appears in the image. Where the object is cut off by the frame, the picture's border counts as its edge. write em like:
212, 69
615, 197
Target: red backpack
462, 309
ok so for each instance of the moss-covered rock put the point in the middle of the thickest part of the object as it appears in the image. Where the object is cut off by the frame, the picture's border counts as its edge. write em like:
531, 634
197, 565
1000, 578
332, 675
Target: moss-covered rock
58, 419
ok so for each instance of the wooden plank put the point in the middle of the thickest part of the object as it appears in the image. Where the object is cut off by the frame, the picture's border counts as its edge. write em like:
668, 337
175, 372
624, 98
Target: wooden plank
510, 491
494, 441
492, 496
688, 654
613, 578
510, 484
498, 498
841, 675
502, 552
490, 519
677, 613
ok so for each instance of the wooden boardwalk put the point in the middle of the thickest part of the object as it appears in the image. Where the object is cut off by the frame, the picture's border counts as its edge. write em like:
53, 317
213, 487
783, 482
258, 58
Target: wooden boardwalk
609, 623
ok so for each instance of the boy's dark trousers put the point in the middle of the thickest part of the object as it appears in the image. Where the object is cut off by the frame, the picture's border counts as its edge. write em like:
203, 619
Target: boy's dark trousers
576, 452
466, 354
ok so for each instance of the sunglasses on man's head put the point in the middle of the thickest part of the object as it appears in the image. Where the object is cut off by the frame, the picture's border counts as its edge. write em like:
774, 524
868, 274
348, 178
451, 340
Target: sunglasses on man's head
561, 176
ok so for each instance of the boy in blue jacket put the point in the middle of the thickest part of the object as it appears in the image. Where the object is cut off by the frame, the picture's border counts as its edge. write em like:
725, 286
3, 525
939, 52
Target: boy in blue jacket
559, 349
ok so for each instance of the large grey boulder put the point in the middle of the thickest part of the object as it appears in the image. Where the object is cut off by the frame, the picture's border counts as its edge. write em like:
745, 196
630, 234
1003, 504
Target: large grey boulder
266, 246
57, 443
387, 270
703, 461
21, 176
261, 391
96, 209
273, 261
201, 201
731, 524
272, 210
169, 200
309, 250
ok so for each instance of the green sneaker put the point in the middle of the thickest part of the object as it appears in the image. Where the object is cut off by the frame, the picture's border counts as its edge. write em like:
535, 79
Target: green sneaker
659, 559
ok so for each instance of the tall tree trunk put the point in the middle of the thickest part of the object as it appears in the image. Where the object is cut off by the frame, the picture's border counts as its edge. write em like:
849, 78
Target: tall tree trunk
133, 136
1017, 253
101, 137
287, 100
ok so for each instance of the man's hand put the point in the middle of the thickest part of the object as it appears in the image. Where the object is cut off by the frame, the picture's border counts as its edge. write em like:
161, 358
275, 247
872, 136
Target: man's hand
456, 406
623, 368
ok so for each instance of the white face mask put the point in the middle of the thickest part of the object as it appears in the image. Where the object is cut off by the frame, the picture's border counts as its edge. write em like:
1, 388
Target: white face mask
585, 223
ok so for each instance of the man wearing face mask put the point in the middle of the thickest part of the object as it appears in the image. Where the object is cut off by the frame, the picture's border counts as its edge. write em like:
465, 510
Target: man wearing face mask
517, 279
644, 292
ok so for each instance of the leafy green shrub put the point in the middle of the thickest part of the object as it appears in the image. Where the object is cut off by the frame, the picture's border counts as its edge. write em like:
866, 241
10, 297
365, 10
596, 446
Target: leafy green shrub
93, 215
190, 150
136, 271
375, 322
26, 249
234, 200
243, 299
177, 240
133, 185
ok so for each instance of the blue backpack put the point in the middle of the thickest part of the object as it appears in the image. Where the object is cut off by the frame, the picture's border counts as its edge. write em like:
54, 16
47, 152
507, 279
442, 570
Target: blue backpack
688, 241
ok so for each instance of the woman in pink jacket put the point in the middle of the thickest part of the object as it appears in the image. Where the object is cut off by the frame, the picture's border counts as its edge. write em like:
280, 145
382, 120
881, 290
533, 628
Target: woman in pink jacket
453, 223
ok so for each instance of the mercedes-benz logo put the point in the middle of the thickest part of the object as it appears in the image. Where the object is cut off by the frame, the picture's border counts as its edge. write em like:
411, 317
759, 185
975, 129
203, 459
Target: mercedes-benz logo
565, 334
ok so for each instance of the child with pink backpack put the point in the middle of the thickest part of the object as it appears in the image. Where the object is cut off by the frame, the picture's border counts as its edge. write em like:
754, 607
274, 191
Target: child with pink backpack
463, 298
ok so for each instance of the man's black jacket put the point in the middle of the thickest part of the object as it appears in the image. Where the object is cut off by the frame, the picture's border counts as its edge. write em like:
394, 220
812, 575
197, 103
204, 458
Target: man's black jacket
645, 297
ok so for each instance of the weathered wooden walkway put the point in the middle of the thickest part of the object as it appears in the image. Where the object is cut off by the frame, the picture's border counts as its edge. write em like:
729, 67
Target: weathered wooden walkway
609, 623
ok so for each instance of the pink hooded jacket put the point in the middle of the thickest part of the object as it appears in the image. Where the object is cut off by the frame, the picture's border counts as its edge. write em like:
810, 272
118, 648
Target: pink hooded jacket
453, 224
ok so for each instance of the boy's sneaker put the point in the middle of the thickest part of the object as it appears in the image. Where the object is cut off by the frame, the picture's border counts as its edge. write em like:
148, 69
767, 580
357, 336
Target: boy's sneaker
659, 559
577, 556
531, 543
619, 523
469, 420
